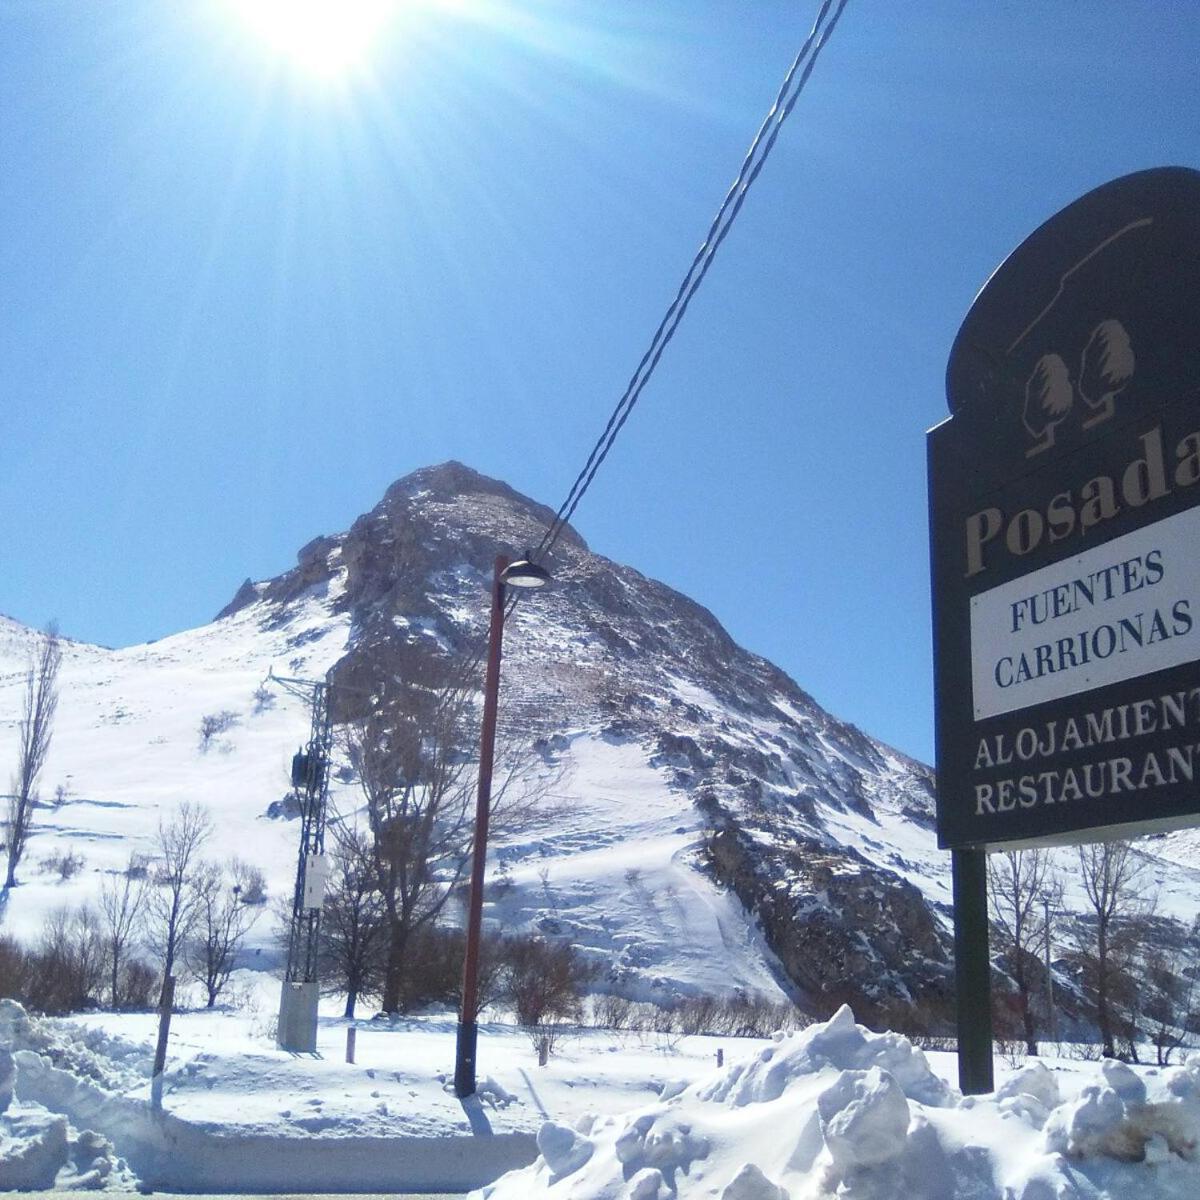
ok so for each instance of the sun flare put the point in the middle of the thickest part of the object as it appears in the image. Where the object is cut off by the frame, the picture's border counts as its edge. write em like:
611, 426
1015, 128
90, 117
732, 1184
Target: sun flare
325, 38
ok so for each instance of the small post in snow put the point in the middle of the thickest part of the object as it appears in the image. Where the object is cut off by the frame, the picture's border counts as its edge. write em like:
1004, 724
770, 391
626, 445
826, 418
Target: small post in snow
351, 1036
166, 1003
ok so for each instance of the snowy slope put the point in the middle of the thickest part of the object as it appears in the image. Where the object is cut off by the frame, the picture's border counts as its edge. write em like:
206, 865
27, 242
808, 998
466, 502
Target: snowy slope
126, 747
617, 875
620, 877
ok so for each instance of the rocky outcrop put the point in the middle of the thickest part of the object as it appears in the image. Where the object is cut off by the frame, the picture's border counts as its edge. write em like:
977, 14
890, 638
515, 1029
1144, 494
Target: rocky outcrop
841, 926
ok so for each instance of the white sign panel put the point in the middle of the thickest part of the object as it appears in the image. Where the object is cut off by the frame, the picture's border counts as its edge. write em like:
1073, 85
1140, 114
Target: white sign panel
1115, 612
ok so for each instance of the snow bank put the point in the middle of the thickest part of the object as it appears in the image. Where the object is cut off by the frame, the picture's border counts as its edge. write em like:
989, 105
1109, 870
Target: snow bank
39, 1149
64, 1082
838, 1110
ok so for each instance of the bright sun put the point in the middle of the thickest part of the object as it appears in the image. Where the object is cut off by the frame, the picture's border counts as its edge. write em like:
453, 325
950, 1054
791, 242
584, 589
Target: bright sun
320, 37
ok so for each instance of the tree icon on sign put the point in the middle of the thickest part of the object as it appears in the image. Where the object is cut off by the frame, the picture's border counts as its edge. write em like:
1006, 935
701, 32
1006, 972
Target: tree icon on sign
1048, 399
1107, 366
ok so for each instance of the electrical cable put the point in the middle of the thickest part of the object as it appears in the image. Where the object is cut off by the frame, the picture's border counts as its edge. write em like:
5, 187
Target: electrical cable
764, 140
760, 148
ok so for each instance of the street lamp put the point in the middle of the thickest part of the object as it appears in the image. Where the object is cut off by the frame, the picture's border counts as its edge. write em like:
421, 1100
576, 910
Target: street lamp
520, 574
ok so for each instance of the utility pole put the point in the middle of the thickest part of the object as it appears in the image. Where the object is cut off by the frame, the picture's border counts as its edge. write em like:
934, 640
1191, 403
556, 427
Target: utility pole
521, 574
468, 1033
297, 1030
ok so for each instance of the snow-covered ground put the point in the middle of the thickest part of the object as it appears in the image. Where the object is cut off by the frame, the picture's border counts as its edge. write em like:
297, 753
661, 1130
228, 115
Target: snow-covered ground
832, 1110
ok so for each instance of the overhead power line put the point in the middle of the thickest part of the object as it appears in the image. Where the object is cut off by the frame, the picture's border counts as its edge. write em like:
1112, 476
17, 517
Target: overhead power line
760, 149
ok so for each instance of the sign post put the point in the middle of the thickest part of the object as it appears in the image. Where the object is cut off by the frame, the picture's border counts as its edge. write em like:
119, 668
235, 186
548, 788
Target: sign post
1065, 550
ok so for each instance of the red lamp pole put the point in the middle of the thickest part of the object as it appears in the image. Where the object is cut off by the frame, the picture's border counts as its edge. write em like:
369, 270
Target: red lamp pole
468, 1031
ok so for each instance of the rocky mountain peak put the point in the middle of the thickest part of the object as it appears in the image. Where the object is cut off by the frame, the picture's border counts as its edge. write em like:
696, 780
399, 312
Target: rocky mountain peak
790, 804
454, 483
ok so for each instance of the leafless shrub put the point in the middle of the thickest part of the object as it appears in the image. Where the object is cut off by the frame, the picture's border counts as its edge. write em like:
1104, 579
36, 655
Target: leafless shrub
14, 970
610, 1011
250, 882
699, 1014
135, 986
138, 866
933, 1041
263, 699
737, 1015
66, 864
665, 1025
213, 724
65, 971
544, 982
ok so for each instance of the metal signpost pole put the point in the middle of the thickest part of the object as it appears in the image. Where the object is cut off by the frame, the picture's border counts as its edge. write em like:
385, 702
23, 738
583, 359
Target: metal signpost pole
972, 972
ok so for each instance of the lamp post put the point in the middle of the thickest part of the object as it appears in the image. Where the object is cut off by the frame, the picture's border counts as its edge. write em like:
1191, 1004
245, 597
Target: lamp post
522, 574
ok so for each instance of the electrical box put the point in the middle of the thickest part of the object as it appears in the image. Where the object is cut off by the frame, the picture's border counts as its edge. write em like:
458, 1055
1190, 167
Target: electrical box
297, 1029
316, 872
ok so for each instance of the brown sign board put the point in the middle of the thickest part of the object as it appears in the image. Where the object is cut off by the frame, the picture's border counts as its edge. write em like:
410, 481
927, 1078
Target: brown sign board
1065, 530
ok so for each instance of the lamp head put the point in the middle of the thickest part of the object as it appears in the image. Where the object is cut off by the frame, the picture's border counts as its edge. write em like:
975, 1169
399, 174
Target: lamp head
525, 574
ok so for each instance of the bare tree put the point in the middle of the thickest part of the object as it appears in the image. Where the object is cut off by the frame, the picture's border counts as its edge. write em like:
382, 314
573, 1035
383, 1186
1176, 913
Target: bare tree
40, 701
68, 963
411, 756
1018, 882
171, 902
414, 752
171, 905
1170, 1007
221, 924
121, 900
1113, 880
353, 928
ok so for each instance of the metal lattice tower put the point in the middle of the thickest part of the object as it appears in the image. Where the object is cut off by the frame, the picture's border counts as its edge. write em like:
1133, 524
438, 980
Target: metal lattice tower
310, 781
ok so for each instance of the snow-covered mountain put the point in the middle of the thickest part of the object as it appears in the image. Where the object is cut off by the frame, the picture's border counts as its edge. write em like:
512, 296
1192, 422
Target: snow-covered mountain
714, 829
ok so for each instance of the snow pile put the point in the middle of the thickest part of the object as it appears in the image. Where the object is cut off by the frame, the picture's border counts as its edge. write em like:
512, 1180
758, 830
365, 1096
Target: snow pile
836, 1110
41, 1150
93, 1054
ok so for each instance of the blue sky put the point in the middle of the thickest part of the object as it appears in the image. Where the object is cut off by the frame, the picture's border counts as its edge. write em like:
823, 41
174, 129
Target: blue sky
239, 301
